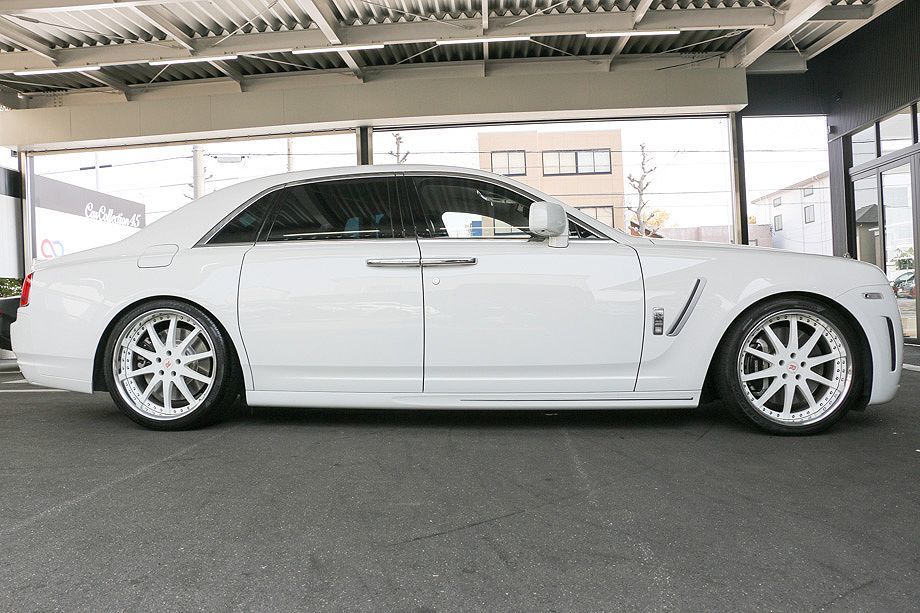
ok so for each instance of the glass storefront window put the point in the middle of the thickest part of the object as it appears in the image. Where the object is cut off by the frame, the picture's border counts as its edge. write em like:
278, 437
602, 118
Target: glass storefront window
896, 131
900, 263
84, 199
864, 149
788, 185
868, 222
688, 168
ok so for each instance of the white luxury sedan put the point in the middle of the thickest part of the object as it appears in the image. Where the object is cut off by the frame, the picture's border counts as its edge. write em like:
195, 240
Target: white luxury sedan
434, 287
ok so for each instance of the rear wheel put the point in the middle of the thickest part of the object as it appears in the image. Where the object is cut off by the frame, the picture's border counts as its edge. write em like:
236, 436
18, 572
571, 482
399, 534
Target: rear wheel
167, 366
791, 366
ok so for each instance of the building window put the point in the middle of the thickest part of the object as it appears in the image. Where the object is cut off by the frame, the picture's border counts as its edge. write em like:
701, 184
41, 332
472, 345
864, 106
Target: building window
778, 223
777, 201
509, 163
810, 213
864, 146
808, 191
896, 131
578, 162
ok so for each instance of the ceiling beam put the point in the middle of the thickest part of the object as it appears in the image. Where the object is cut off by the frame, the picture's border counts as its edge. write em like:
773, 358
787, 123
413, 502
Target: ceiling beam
116, 84
392, 33
158, 18
24, 38
795, 13
638, 15
844, 30
844, 12
323, 16
8, 7
229, 70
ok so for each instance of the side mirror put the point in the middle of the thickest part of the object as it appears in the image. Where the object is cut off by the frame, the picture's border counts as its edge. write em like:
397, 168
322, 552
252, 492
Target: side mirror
548, 220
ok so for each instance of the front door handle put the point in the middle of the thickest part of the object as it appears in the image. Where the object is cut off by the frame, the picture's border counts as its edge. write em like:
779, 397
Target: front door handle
448, 261
394, 262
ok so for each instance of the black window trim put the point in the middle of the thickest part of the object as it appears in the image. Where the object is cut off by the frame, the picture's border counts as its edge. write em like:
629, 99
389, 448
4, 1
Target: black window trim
260, 236
412, 204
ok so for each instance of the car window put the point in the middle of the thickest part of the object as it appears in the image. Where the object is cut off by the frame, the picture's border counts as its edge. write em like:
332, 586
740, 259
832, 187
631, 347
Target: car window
454, 207
244, 228
337, 210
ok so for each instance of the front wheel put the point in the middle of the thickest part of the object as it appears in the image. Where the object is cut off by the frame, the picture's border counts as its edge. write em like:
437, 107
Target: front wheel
167, 366
791, 366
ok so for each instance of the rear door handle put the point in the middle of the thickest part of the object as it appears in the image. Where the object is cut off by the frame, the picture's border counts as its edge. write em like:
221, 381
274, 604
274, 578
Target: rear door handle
448, 261
394, 262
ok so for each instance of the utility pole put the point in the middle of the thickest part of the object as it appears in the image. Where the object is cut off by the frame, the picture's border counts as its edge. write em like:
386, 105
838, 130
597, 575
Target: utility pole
198, 171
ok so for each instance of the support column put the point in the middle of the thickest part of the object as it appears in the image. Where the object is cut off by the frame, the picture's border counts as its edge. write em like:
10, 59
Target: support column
365, 138
842, 214
27, 219
739, 187
198, 171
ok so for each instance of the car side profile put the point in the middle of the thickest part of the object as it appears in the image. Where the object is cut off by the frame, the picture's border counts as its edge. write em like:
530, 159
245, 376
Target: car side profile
435, 287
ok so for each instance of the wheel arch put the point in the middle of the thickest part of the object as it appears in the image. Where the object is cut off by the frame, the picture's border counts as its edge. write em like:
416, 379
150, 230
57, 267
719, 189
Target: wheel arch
99, 384
710, 391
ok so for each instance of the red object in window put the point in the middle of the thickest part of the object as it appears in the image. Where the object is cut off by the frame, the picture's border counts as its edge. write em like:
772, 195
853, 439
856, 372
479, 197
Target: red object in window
26, 290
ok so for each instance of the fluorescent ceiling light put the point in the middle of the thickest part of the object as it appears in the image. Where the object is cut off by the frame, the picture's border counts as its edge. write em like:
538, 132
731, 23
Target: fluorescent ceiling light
482, 39
337, 48
632, 33
190, 60
26, 73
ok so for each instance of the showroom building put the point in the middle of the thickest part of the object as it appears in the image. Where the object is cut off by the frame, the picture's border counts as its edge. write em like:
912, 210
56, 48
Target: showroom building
119, 112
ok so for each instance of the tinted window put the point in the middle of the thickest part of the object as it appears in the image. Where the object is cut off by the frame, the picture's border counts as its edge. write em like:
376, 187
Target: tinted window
246, 225
467, 208
348, 209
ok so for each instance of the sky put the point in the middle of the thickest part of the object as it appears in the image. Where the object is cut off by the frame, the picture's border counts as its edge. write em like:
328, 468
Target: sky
692, 181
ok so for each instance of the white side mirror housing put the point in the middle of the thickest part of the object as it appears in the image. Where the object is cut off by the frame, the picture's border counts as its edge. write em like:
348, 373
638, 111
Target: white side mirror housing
549, 220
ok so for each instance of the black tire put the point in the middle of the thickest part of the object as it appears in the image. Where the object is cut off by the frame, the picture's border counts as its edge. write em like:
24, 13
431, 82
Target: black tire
224, 390
730, 386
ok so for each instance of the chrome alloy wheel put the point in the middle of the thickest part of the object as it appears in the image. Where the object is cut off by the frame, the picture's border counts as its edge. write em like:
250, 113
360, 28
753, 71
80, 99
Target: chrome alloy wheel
164, 364
795, 367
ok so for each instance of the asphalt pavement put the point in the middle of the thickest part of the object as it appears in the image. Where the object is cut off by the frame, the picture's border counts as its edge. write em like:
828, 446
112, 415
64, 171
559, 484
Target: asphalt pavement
284, 509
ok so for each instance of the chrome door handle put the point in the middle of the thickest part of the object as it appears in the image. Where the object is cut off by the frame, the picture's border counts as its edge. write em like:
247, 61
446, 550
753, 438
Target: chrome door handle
394, 262
448, 261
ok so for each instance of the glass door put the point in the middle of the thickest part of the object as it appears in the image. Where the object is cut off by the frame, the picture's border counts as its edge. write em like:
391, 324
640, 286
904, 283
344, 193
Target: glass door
887, 219
900, 260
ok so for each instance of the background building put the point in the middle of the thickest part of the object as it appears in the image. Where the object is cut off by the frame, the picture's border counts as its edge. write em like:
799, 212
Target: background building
800, 215
582, 168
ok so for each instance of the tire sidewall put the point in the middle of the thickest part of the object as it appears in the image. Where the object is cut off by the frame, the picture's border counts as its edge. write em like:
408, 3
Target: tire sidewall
223, 379
731, 385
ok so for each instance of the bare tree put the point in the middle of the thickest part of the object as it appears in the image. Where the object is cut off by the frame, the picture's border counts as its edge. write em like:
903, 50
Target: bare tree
645, 216
398, 154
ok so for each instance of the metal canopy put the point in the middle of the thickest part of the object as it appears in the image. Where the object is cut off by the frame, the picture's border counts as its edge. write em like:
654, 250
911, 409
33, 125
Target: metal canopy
110, 44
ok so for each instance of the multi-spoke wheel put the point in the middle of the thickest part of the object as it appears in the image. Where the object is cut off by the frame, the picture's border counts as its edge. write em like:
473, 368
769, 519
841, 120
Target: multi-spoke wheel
166, 364
791, 367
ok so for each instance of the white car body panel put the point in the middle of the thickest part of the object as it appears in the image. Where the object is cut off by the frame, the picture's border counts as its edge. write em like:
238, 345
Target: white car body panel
314, 316
501, 325
559, 352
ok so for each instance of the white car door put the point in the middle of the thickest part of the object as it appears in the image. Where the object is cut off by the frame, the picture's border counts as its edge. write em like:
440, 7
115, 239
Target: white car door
318, 312
505, 314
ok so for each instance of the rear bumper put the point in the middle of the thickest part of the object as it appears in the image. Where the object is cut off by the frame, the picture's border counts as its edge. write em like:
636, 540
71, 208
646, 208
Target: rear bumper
37, 362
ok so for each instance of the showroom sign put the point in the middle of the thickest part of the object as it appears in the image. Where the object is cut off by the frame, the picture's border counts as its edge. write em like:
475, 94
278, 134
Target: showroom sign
90, 204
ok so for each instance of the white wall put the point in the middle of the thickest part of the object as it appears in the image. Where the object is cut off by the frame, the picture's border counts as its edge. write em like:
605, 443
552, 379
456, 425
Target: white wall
10, 237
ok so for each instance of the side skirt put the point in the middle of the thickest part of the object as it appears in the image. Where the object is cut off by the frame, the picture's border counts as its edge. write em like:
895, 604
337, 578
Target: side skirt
621, 400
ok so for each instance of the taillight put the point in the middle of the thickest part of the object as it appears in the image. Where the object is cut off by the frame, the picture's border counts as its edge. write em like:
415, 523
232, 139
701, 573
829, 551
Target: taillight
26, 290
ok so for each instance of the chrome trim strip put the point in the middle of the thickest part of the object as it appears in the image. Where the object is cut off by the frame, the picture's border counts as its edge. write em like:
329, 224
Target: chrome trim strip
685, 313
448, 261
394, 262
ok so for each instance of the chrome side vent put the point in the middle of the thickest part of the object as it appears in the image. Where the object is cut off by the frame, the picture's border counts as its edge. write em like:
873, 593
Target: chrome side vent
685, 313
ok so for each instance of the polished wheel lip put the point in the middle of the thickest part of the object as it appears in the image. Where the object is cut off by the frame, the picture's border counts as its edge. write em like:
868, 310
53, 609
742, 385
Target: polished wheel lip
168, 365
790, 368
